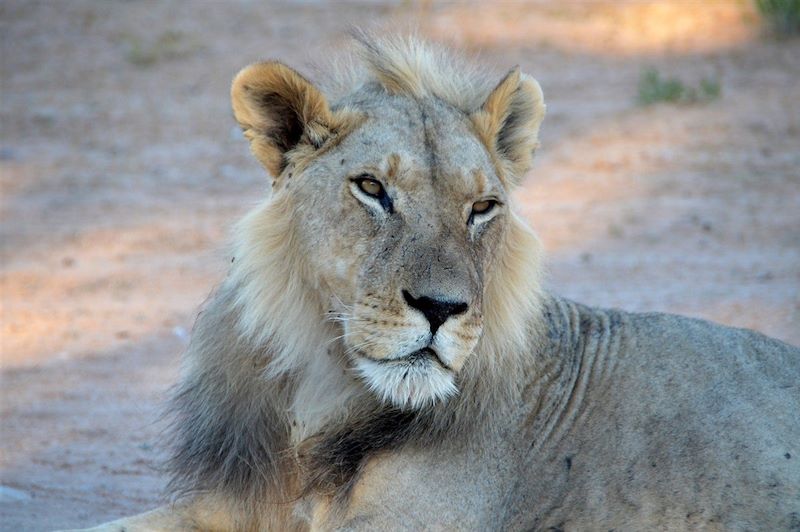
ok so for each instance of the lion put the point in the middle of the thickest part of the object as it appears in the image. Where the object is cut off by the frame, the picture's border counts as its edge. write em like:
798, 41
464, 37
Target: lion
382, 354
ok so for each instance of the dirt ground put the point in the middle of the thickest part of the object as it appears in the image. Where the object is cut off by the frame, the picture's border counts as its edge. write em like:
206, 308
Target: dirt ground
122, 172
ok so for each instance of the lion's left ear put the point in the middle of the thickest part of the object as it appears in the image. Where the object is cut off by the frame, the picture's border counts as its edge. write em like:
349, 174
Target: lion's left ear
277, 109
509, 122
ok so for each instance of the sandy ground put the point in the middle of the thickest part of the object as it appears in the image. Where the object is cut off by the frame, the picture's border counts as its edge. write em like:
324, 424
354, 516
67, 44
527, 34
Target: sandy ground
122, 172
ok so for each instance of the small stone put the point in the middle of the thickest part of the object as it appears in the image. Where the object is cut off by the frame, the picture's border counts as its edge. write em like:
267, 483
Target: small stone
766, 276
44, 117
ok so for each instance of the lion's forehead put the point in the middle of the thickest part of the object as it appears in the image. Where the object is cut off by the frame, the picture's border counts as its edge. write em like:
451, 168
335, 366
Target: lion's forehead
419, 141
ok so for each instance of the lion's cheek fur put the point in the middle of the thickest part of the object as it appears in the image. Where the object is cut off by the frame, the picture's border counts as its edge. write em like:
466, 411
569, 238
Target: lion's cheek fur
272, 277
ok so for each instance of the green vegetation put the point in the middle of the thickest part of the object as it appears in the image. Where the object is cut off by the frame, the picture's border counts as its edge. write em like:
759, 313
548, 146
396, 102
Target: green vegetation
168, 45
653, 88
782, 15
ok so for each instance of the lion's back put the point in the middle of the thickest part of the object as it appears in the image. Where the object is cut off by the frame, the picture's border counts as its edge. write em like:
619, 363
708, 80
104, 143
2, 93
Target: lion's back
735, 422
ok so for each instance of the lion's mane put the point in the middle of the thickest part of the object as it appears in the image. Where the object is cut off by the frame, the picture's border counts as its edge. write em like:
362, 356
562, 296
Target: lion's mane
267, 406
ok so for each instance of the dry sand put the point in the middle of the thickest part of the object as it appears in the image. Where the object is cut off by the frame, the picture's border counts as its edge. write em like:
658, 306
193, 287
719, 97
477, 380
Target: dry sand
122, 172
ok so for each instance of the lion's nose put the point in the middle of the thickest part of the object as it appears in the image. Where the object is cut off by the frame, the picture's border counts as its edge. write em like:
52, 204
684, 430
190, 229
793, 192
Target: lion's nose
436, 311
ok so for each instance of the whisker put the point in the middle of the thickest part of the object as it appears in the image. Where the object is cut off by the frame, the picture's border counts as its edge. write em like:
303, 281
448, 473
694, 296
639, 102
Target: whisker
341, 303
366, 343
345, 335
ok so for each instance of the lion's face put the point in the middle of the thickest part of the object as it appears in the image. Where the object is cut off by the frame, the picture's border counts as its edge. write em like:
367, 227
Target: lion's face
398, 211
401, 220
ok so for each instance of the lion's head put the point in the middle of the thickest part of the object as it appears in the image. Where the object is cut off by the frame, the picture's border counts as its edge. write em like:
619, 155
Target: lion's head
390, 231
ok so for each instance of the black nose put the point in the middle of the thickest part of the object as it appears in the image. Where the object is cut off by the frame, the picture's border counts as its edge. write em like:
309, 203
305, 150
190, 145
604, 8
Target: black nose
435, 310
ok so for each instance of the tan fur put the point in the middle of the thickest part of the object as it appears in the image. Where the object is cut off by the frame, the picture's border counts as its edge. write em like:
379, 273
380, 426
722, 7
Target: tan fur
267, 97
412, 67
321, 391
514, 145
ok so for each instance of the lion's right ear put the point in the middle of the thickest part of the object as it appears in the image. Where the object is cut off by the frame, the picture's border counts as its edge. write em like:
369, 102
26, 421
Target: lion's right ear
277, 109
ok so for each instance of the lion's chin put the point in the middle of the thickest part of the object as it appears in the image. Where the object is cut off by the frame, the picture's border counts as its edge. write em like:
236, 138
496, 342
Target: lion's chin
409, 384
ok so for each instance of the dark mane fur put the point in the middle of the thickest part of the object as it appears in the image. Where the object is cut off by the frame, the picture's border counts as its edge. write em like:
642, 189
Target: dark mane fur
228, 426
230, 431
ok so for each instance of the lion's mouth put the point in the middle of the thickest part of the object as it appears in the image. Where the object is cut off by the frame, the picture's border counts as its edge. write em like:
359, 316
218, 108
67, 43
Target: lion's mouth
417, 358
414, 380
421, 356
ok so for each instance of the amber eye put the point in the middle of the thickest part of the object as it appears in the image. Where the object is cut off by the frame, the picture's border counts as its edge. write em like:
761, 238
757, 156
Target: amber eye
374, 189
481, 207
370, 186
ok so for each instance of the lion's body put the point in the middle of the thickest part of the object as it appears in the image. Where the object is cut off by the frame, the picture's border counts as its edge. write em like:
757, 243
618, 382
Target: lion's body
381, 355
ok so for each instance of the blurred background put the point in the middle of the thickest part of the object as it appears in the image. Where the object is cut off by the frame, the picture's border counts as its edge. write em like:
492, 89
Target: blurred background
668, 179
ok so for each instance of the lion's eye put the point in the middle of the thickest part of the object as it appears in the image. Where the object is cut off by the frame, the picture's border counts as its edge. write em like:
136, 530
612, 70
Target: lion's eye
481, 207
370, 186
374, 191
481, 210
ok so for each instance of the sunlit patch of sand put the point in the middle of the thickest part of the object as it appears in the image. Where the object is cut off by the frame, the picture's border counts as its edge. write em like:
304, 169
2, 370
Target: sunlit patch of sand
604, 28
104, 288
573, 181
